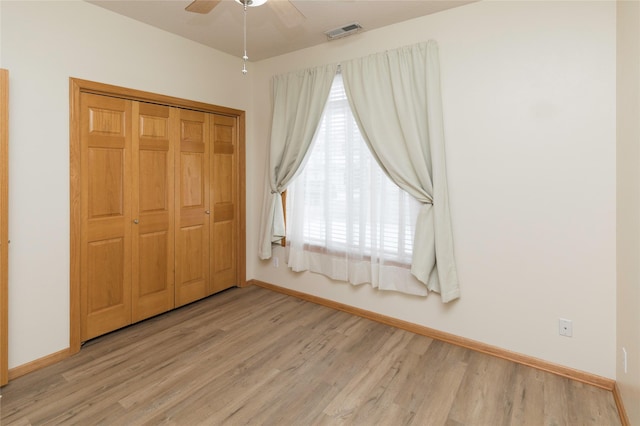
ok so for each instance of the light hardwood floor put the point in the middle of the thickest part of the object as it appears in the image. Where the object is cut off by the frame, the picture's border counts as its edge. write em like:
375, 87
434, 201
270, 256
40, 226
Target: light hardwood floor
253, 356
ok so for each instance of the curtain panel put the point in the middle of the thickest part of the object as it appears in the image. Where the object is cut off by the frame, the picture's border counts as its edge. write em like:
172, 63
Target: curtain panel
298, 102
396, 100
345, 218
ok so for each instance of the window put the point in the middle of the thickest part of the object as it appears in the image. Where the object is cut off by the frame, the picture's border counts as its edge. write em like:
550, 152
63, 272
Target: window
362, 234
342, 204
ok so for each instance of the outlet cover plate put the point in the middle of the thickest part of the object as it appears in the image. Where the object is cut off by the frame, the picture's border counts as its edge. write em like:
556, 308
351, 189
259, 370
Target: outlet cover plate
565, 327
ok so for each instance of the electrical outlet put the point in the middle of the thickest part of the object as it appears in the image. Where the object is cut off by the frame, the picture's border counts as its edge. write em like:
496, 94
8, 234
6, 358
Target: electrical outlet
276, 262
624, 359
565, 327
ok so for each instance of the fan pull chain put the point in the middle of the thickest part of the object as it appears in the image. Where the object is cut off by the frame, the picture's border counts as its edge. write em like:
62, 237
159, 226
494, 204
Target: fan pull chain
245, 57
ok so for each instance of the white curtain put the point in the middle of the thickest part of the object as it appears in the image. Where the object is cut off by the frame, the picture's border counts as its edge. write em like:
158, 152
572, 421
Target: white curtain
298, 101
396, 100
345, 218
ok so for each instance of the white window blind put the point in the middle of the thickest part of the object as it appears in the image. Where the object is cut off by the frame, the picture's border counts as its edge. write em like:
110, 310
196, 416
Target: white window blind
345, 217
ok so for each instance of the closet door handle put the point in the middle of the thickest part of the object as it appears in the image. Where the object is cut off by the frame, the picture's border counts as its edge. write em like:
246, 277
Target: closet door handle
136, 221
207, 211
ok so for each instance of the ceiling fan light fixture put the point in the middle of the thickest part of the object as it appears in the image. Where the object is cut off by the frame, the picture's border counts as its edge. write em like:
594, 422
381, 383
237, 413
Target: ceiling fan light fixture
251, 3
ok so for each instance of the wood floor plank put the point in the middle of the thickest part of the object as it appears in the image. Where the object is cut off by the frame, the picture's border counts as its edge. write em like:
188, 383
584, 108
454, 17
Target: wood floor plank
379, 406
253, 356
528, 396
422, 390
442, 391
486, 392
556, 401
597, 412
357, 391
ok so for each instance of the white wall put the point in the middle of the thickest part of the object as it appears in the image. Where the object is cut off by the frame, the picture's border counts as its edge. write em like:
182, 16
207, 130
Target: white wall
529, 104
43, 44
628, 206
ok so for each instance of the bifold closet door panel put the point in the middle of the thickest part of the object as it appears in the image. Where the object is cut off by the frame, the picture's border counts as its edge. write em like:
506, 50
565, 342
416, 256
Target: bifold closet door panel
156, 205
192, 207
154, 132
224, 194
105, 281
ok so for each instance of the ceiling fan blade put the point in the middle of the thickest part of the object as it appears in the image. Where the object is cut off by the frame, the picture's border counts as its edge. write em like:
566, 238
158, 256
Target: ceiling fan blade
202, 6
287, 12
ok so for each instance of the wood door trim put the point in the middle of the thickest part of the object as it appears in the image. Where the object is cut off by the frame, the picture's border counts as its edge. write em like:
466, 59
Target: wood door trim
78, 86
75, 213
242, 222
87, 86
4, 227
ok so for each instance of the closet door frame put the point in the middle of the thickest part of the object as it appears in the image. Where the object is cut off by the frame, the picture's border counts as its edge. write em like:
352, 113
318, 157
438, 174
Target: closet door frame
78, 86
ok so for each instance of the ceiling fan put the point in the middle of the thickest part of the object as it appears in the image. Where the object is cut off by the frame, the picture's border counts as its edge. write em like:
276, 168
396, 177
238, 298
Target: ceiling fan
284, 9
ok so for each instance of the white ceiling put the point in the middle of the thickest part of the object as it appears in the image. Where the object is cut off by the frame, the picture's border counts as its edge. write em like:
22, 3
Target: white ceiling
267, 35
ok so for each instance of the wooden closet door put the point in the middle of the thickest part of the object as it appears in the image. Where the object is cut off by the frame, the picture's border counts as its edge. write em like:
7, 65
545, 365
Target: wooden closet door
105, 257
192, 209
224, 195
153, 210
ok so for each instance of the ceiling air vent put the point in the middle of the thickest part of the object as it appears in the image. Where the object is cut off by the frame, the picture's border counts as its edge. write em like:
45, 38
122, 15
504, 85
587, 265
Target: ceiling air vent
343, 31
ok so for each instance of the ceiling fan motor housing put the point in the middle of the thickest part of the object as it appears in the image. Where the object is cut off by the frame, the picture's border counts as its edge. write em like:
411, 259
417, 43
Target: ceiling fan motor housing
251, 3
